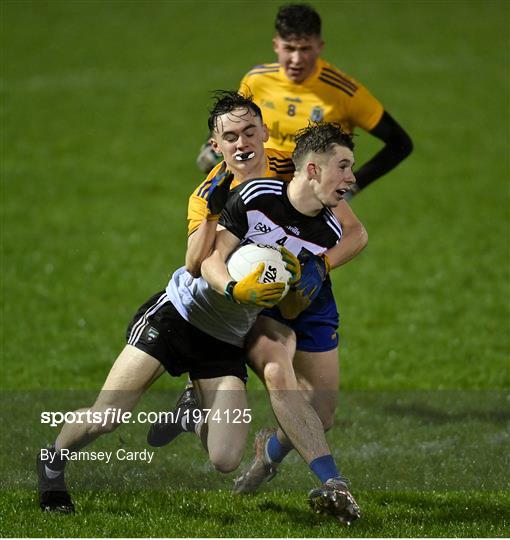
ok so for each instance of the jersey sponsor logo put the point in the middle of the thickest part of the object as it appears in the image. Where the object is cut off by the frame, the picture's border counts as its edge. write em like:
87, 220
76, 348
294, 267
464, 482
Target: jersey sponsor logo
281, 137
267, 104
293, 229
315, 238
262, 228
317, 114
293, 99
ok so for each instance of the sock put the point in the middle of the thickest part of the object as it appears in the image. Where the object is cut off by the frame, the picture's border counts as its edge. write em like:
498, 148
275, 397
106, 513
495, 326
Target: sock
198, 427
188, 423
275, 451
189, 419
325, 468
54, 464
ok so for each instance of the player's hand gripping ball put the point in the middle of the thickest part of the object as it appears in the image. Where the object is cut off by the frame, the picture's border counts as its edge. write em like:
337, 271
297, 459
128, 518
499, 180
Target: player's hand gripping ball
261, 274
314, 269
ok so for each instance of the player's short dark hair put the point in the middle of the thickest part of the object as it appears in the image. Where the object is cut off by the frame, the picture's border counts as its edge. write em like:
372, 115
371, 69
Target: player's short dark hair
297, 20
319, 137
228, 100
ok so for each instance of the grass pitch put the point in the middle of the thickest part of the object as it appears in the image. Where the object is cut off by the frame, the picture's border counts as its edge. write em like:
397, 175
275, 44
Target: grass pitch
104, 107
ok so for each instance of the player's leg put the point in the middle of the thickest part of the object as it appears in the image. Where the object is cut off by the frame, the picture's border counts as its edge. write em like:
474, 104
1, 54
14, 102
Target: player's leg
270, 350
225, 425
136, 367
318, 375
316, 341
132, 372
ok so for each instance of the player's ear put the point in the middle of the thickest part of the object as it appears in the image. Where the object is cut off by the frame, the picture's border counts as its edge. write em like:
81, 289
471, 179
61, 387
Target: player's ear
215, 146
265, 136
275, 44
312, 170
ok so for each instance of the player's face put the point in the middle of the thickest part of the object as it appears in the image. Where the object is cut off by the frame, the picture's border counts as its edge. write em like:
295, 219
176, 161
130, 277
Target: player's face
334, 176
298, 55
240, 136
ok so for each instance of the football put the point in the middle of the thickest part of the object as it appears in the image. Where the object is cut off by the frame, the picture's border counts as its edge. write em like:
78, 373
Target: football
246, 259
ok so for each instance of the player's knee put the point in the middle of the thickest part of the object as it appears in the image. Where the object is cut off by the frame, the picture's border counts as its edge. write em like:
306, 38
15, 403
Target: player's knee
226, 461
278, 376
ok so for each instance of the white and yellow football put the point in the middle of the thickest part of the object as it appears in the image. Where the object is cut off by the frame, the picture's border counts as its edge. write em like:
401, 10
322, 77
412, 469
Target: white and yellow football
245, 260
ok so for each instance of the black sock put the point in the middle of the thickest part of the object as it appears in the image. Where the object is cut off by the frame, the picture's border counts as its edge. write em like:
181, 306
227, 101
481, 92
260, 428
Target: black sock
54, 460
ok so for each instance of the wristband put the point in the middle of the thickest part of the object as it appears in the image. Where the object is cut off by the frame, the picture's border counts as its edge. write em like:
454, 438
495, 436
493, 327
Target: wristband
212, 217
229, 290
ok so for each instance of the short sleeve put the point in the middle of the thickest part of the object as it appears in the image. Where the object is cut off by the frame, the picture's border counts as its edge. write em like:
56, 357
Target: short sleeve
197, 212
365, 110
197, 205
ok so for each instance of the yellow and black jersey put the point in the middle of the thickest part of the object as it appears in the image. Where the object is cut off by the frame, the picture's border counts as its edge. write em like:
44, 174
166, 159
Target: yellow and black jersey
278, 165
328, 94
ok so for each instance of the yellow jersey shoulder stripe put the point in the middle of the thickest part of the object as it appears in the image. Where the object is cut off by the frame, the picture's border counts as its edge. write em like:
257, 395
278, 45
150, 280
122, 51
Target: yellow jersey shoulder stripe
336, 84
264, 68
339, 77
279, 160
204, 188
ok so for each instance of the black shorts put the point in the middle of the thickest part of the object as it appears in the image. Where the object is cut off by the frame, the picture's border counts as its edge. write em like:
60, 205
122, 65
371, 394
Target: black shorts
159, 330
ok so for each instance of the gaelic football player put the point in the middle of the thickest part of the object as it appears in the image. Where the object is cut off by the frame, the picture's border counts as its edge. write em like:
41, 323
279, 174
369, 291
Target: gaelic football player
302, 87
239, 133
213, 316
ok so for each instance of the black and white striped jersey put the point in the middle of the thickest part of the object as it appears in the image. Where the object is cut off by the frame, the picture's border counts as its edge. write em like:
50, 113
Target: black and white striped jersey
260, 211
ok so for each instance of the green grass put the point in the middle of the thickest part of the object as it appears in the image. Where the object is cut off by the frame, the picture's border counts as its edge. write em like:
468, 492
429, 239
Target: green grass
103, 109
183, 514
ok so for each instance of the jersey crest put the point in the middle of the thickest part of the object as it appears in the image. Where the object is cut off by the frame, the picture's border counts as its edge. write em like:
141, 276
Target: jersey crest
317, 114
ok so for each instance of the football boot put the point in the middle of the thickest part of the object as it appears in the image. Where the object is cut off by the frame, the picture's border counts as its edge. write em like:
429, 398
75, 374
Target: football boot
334, 498
53, 494
163, 432
260, 469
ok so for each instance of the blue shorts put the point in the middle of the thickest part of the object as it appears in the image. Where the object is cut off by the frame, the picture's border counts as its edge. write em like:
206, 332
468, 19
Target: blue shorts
316, 327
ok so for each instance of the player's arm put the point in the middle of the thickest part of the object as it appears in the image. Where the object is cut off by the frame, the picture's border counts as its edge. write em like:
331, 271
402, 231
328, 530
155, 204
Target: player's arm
214, 268
397, 146
205, 206
354, 237
246, 291
200, 246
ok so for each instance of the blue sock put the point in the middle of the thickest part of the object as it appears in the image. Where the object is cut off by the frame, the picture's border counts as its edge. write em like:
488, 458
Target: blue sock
275, 450
325, 468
